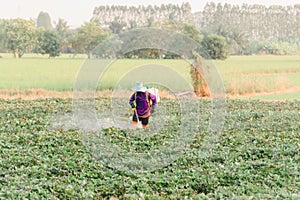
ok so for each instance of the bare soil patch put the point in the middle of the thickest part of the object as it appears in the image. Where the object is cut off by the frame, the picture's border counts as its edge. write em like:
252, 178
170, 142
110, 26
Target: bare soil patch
33, 94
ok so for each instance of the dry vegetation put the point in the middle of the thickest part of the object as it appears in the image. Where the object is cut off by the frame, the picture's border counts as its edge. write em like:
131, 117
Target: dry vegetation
32, 94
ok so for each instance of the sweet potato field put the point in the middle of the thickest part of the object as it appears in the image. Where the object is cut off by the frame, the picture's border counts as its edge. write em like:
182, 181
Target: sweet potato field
257, 155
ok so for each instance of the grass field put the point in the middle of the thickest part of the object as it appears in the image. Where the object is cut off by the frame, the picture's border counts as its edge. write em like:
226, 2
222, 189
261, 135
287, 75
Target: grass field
242, 75
259, 74
273, 97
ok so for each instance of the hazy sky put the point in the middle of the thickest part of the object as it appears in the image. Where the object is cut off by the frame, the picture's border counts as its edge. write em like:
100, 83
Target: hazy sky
76, 12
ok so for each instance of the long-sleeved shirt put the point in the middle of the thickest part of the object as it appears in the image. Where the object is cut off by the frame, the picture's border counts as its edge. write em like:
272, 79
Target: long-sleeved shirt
142, 104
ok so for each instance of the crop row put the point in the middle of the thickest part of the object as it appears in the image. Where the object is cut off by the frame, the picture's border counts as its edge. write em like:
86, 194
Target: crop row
255, 156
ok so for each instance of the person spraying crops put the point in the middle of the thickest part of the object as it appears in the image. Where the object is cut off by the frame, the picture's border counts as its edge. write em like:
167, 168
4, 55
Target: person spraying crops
143, 104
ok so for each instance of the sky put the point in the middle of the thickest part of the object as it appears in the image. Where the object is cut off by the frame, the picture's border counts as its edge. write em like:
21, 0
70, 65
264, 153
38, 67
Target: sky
76, 12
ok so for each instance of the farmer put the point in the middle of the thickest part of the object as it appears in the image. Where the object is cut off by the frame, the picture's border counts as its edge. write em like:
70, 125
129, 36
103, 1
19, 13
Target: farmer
142, 103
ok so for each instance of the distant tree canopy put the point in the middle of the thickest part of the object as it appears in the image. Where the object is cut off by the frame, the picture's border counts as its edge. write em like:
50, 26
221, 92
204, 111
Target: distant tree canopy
221, 29
244, 27
215, 47
2, 35
62, 29
188, 31
44, 20
19, 36
49, 42
242, 24
117, 26
142, 15
87, 37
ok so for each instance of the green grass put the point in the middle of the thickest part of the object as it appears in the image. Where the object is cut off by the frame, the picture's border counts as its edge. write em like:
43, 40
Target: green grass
259, 65
250, 74
240, 74
60, 73
277, 97
173, 74
50, 74
294, 79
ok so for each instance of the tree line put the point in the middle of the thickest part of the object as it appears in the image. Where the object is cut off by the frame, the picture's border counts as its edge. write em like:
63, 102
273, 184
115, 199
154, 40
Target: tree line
21, 36
124, 17
247, 29
253, 28
220, 29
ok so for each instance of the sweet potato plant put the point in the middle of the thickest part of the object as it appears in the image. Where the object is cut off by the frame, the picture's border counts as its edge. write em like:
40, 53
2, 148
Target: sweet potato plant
257, 155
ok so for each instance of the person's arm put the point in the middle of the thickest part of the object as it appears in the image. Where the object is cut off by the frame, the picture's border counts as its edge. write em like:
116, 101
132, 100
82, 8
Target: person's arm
153, 98
131, 101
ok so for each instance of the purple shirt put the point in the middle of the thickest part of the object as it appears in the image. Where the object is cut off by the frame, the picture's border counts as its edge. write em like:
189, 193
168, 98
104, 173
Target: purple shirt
142, 107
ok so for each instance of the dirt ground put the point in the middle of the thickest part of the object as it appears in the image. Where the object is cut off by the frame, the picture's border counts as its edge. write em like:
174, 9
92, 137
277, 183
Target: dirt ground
32, 94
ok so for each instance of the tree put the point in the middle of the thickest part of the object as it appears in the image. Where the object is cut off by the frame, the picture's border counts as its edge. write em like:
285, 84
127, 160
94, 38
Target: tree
191, 31
238, 41
133, 24
49, 43
44, 20
180, 30
274, 23
87, 37
2, 35
150, 21
117, 26
62, 29
215, 46
19, 35
188, 30
142, 15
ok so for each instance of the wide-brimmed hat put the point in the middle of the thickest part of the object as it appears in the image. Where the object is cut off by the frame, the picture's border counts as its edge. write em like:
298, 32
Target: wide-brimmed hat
139, 87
